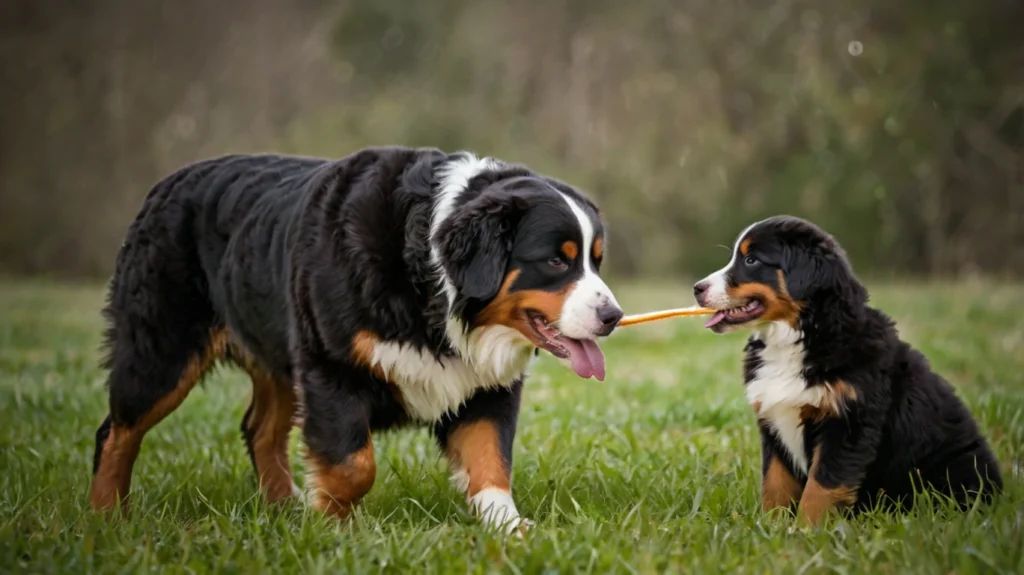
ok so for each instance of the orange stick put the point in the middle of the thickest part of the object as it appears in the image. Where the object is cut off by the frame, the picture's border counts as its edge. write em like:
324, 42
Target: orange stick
664, 314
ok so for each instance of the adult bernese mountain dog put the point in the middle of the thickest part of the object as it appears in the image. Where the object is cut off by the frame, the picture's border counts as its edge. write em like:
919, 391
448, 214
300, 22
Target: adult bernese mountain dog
394, 285
850, 416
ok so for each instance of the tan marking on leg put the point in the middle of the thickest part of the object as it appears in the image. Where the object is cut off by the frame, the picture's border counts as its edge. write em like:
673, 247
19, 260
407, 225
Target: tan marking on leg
817, 501
476, 449
337, 488
196, 368
114, 475
112, 480
269, 423
779, 488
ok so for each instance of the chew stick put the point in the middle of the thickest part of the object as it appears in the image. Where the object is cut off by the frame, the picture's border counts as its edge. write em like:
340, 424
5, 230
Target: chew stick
664, 314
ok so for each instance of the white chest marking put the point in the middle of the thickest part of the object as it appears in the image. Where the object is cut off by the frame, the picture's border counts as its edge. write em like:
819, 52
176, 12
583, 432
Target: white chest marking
487, 358
779, 388
431, 387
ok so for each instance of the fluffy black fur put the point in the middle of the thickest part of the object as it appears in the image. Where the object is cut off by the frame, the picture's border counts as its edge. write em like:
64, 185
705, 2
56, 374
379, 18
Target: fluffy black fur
279, 263
899, 426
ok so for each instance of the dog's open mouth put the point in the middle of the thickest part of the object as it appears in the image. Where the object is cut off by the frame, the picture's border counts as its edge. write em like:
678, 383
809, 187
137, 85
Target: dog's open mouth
736, 315
584, 354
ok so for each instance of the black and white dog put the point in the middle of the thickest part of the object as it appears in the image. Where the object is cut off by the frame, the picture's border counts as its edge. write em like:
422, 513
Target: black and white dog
849, 414
394, 285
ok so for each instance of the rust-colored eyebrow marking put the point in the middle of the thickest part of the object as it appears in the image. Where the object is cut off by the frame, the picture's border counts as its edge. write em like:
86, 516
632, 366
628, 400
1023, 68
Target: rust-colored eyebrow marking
598, 248
745, 247
570, 250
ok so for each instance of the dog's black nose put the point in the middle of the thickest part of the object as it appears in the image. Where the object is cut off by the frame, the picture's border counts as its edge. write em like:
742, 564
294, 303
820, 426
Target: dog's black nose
699, 288
609, 315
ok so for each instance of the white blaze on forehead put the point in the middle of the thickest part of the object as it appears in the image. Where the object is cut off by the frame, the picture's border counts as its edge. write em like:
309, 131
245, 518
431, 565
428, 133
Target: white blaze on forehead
716, 295
579, 312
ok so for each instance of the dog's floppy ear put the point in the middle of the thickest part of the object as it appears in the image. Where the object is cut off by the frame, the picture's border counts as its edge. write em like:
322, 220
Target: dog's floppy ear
803, 272
476, 241
820, 268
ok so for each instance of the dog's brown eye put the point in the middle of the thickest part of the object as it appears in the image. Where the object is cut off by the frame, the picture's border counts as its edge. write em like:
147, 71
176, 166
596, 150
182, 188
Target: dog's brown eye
751, 261
557, 262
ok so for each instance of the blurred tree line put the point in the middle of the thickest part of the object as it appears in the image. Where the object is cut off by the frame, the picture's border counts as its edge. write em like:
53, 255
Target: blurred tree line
898, 126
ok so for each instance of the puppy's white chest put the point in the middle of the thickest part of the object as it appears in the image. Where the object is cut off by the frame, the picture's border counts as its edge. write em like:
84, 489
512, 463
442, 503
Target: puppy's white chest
778, 390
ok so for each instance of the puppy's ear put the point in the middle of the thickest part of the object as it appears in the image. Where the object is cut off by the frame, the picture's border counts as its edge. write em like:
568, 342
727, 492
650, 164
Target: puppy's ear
476, 242
821, 269
803, 272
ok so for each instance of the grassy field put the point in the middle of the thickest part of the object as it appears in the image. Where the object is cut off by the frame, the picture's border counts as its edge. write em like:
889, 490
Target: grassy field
653, 470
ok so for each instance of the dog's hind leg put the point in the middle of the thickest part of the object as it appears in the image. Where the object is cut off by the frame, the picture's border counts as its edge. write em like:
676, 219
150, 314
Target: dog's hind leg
265, 429
966, 477
142, 393
162, 337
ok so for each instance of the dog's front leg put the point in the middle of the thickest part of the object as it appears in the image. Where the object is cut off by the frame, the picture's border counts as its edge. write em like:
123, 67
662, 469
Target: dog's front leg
843, 449
336, 430
478, 443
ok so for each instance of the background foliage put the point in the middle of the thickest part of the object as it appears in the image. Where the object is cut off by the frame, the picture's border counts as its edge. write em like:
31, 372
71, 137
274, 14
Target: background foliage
899, 126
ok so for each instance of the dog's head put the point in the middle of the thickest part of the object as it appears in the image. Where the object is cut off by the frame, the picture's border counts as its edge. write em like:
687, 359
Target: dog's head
779, 266
525, 253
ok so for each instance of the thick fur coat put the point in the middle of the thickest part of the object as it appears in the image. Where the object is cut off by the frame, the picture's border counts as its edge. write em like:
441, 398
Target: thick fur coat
850, 415
391, 286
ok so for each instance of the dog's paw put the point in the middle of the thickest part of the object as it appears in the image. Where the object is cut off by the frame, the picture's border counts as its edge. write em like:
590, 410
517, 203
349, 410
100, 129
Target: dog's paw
497, 511
524, 526
516, 528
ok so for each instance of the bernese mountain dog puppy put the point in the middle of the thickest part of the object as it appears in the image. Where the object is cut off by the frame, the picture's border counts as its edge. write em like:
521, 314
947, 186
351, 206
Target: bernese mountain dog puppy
850, 416
392, 286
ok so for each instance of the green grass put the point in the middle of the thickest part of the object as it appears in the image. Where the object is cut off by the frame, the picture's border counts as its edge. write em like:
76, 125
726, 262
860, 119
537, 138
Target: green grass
653, 470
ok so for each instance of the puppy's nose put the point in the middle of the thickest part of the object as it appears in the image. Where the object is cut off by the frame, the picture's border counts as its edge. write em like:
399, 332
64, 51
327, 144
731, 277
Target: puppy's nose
699, 288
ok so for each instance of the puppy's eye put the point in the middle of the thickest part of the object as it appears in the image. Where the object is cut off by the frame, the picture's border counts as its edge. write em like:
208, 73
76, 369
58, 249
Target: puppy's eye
751, 261
557, 263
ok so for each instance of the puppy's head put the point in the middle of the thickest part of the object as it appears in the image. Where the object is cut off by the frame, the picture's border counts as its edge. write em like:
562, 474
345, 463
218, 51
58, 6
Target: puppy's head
526, 254
779, 267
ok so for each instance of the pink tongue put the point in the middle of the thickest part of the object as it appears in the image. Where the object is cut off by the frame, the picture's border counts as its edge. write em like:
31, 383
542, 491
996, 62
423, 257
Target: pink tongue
715, 319
587, 359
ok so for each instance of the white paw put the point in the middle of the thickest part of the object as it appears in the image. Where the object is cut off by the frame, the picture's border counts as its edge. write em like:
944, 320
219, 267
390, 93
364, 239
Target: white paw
496, 510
